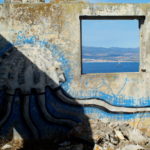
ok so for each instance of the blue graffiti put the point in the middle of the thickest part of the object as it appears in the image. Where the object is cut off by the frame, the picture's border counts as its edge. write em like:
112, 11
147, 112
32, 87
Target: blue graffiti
91, 93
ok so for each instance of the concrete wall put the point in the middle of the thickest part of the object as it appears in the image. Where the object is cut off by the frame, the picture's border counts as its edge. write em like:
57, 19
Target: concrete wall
40, 46
23, 1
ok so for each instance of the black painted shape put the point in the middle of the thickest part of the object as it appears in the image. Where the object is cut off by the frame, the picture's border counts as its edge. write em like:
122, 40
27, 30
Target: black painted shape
24, 102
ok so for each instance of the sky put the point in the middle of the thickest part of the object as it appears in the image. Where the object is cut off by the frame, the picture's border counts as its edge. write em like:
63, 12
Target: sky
113, 1
110, 33
120, 1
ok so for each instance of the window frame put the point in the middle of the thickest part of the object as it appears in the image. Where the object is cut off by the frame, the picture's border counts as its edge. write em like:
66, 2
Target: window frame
140, 20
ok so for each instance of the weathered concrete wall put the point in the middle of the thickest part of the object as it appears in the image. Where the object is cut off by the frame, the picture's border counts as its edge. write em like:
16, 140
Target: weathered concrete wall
23, 1
42, 33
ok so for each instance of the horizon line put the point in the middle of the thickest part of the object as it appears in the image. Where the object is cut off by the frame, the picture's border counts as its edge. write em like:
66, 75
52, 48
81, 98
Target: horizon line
109, 47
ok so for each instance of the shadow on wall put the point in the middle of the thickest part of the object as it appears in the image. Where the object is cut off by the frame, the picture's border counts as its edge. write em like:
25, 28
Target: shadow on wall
32, 102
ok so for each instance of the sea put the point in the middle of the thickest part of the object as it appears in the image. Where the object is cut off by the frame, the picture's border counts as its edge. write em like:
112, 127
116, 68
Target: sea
109, 67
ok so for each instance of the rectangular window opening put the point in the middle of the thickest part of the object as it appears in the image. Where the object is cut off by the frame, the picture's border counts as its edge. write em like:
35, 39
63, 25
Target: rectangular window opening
110, 44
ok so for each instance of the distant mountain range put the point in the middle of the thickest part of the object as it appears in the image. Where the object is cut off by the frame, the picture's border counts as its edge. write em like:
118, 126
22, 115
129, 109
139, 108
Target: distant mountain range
113, 54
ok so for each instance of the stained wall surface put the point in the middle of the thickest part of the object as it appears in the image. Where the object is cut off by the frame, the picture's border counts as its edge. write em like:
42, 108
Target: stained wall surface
40, 47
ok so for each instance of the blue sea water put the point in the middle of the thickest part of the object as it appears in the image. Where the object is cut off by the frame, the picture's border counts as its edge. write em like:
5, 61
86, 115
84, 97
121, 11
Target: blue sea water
110, 67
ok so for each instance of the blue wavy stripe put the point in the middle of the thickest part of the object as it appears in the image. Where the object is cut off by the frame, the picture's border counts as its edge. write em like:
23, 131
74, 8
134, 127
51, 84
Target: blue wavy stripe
100, 114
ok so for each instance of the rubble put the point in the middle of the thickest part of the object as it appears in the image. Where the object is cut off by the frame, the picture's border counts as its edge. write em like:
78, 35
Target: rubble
96, 135
97, 147
6, 147
140, 139
133, 147
119, 134
111, 136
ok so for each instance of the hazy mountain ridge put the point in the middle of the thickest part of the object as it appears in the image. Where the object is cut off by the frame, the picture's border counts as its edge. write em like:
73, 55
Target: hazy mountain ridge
113, 54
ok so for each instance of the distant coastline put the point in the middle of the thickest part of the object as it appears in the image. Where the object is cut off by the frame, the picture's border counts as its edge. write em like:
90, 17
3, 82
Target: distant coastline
109, 61
115, 54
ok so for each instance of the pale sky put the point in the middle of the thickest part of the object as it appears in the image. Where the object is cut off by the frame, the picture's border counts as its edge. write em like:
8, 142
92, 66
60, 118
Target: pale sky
113, 1
120, 1
110, 33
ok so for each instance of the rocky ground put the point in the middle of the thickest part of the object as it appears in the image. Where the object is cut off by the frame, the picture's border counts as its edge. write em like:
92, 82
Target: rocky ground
97, 136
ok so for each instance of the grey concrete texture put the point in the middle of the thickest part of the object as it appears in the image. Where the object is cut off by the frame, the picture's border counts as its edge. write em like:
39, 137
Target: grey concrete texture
58, 23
